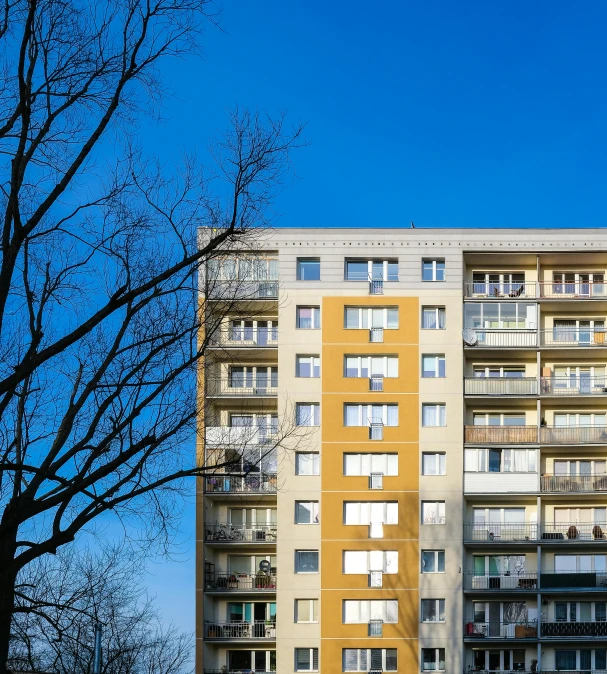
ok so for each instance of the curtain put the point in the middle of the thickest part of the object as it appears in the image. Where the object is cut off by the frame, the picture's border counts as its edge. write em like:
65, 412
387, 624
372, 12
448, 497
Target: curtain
352, 317
392, 318
352, 416
392, 415
429, 319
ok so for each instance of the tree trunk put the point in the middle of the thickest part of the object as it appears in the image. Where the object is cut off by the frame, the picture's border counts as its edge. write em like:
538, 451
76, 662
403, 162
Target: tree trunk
8, 577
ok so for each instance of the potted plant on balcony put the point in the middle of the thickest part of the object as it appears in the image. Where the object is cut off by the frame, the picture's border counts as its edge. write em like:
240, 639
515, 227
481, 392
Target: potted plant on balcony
232, 581
270, 629
261, 580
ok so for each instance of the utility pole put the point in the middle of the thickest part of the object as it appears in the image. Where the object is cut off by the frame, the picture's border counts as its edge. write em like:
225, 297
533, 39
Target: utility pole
97, 652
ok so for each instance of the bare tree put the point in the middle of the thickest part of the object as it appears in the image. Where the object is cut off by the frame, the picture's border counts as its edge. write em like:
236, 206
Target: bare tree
61, 599
101, 327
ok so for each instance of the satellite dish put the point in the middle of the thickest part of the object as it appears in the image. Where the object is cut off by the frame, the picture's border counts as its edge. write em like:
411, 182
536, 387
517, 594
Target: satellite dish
264, 566
470, 337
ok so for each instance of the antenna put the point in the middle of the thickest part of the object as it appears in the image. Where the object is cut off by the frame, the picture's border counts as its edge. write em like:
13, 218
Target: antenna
470, 337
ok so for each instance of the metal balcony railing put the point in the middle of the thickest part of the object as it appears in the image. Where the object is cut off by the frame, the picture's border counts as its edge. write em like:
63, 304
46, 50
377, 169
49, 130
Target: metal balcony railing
500, 386
574, 532
573, 435
240, 582
588, 580
500, 533
376, 430
524, 629
376, 286
572, 337
240, 533
376, 481
240, 671
376, 382
573, 484
582, 290
240, 436
508, 435
376, 628
376, 335
575, 630
503, 291
253, 483
259, 629
573, 386
505, 338
242, 290
246, 337
523, 581
238, 388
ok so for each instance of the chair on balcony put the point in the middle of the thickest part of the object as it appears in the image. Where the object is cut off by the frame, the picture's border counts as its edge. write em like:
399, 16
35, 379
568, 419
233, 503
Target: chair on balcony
572, 532
517, 293
597, 532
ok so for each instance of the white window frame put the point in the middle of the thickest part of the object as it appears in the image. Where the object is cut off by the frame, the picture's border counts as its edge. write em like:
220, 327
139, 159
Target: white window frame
368, 608
312, 360
437, 659
440, 413
435, 262
597, 420
366, 416
505, 323
252, 560
314, 512
313, 656
477, 416
388, 366
578, 566
437, 317
370, 263
575, 463
313, 608
297, 564
314, 460
440, 458
298, 269
437, 610
435, 553
439, 518
487, 369
366, 515
366, 318
476, 460
364, 664
385, 561
437, 358
315, 316
365, 464
314, 414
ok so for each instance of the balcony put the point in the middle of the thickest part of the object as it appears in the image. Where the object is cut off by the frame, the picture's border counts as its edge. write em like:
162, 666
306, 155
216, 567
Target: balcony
573, 435
239, 533
242, 290
573, 580
500, 386
253, 483
376, 382
260, 630
264, 387
516, 582
500, 630
240, 582
245, 338
246, 671
573, 338
573, 630
511, 338
573, 484
564, 386
476, 532
239, 436
501, 435
500, 483
575, 533
500, 291
376, 286
580, 290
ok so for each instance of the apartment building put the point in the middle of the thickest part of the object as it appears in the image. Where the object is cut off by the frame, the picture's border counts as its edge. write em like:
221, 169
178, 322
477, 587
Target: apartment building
410, 428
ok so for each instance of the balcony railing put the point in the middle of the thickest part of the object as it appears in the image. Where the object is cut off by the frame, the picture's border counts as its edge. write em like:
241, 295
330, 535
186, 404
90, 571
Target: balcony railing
588, 580
582, 290
500, 630
525, 580
506, 338
376, 382
259, 629
246, 337
572, 337
240, 533
502, 291
240, 436
565, 386
240, 582
242, 290
511, 435
574, 532
376, 286
376, 430
253, 483
500, 386
573, 484
574, 630
573, 435
500, 483
259, 386
239, 671
376, 335
500, 533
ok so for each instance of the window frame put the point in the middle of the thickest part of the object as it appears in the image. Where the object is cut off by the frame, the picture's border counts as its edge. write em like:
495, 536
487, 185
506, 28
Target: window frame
315, 319
438, 517
364, 421
313, 654
439, 415
436, 659
361, 457
370, 323
304, 260
435, 261
376, 602
367, 660
314, 416
437, 317
313, 362
390, 513
315, 460
439, 609
314, 512
297, 563
386, 276
387, 567
438, 456
436, 553
313, 608
438, 358
387, 366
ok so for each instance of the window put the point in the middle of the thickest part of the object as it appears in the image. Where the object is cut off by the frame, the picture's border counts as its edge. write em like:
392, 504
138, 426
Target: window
434, 415
498, 284
433, 659
574, 420
580, 563
500, 461
360, 318
363, 415
363, 610
433, 318
369, 659
244, 269
306, 561
433, 561
433, 512
253, 376
306, 610
306, 512
482, 419
434, 464
433, 270
308, 269
365, 464
377, 270
307, 414
493, 372
433, 366
365, 561
307, 463
433, 610
307, 366
308, 318
495, 315
367, 366
370, 512
306, 659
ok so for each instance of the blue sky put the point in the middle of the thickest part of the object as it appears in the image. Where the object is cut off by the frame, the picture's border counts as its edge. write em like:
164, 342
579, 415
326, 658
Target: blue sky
462, 114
